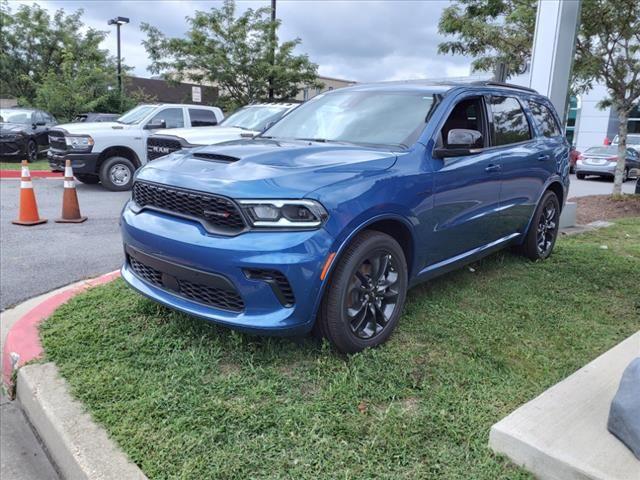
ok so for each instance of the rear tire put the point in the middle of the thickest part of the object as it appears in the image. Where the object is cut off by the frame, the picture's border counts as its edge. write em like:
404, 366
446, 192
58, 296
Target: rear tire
87, 178
543, 231
116, 174
364, 297
580, 176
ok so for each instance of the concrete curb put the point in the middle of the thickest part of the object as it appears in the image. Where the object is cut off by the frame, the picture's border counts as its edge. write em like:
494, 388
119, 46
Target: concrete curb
80, 449
23, 342
562, 434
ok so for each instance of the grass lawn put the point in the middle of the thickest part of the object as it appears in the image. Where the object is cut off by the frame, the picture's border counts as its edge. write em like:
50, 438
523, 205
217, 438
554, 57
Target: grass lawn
190, 400
39, 165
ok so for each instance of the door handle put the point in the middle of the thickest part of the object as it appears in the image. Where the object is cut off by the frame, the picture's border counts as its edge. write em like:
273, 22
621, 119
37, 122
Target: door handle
543, 157
493, 168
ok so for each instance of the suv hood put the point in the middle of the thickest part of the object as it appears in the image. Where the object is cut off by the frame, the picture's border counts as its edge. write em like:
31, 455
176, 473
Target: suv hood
266, 168
12, 127
87, 128
208, 135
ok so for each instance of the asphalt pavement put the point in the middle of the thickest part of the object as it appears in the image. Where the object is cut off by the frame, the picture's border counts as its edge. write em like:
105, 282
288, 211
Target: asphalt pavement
38, 259
597, 186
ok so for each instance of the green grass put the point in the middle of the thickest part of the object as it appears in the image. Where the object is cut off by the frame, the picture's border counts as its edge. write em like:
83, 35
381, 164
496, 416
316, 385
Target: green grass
186, 399
39, 165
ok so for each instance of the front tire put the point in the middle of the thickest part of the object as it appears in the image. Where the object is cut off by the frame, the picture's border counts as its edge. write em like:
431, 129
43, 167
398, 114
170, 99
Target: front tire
31, 151
364, 298
116, 174
543, 231
580, 176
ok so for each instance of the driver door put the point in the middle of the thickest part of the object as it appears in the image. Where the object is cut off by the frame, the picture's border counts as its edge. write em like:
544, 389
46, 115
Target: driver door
466, 210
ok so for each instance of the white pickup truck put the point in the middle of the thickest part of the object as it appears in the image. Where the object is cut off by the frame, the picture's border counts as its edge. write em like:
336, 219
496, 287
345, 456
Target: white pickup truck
244, 123
110, 152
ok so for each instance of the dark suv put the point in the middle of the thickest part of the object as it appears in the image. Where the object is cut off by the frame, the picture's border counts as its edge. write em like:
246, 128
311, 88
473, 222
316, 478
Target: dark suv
326, 219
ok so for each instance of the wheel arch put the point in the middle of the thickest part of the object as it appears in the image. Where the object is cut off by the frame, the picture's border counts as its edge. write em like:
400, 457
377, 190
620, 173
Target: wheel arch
118, 151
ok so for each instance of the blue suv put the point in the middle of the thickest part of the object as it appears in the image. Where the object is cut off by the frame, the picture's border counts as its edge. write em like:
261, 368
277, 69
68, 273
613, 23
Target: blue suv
326, 219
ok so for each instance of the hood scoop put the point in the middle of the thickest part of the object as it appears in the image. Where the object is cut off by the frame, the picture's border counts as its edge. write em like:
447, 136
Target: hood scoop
215, 157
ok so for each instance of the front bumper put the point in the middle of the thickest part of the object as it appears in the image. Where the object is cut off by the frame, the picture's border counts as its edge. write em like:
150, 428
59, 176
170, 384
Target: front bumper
14, 148
184, 244
81, 162
602, 170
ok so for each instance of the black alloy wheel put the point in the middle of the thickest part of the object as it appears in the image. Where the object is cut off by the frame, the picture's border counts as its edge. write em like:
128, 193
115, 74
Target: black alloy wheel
364, 294
372, 296
32, 151
543, 230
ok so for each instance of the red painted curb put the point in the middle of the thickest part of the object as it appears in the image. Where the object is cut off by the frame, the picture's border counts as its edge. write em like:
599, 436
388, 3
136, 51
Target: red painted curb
23, 338
34, 174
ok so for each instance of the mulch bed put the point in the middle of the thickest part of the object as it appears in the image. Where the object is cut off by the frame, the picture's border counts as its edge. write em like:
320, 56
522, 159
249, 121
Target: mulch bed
605, 207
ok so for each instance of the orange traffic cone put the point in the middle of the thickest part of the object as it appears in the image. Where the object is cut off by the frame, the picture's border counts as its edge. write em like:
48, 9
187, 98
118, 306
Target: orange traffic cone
28, 206
70, 206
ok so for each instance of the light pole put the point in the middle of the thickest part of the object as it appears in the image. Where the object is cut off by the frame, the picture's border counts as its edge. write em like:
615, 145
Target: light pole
117, 22
273, 46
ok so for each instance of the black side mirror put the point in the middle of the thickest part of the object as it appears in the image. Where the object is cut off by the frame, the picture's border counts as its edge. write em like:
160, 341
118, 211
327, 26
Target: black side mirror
40, 123
156, 124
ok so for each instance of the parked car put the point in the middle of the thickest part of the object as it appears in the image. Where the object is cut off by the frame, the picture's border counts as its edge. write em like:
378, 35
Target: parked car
327, 218
633, 141
244, 123
24, 133
110, 152
602, 161
95, 117
573, 159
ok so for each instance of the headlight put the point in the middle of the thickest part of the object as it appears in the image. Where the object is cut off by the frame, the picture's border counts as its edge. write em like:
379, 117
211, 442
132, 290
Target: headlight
284, 213
79, 142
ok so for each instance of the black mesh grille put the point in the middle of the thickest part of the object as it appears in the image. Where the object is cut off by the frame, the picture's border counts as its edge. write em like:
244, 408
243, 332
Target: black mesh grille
56, 140
217, 212
277, 280
159, 147
216, 297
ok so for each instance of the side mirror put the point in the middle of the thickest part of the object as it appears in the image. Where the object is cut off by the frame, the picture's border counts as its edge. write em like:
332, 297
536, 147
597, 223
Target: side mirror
464, 137
155, 124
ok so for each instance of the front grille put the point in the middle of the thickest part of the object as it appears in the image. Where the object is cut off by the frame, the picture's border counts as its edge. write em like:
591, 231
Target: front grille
159, 147
9, 148
222, 298
56, 141
218, 214
278, 282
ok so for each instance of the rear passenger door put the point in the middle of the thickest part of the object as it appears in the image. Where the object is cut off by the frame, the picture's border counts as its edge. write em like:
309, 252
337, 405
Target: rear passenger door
525, 164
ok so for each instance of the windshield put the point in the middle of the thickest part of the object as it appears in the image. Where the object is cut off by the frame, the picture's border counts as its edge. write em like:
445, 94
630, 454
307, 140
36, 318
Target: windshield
136, 114
15, 116
359, 117
255, 118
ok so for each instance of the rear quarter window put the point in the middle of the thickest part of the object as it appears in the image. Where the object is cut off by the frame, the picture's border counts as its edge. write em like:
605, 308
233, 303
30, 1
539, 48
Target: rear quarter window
545, 120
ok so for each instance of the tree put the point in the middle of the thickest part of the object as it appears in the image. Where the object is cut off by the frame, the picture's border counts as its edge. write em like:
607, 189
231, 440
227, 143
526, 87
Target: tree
607, 49
234, 53
34, 44
490, 31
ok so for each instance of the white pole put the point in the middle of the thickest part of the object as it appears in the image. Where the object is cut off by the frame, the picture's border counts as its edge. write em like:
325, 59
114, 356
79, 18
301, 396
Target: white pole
554, 44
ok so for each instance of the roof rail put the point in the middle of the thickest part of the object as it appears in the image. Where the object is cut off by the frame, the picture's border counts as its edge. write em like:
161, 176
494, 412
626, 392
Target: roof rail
492, 83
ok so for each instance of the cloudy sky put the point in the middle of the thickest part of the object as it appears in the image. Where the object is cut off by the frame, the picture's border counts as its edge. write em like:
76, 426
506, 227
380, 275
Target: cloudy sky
356, 40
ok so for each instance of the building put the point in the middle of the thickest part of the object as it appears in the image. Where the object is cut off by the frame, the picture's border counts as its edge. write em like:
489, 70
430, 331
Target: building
306, 92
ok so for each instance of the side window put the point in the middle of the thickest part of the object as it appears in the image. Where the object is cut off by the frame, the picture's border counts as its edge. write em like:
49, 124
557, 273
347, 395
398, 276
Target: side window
39, 117
467, 115
510, 125
202, 118
173, 117
545, 120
